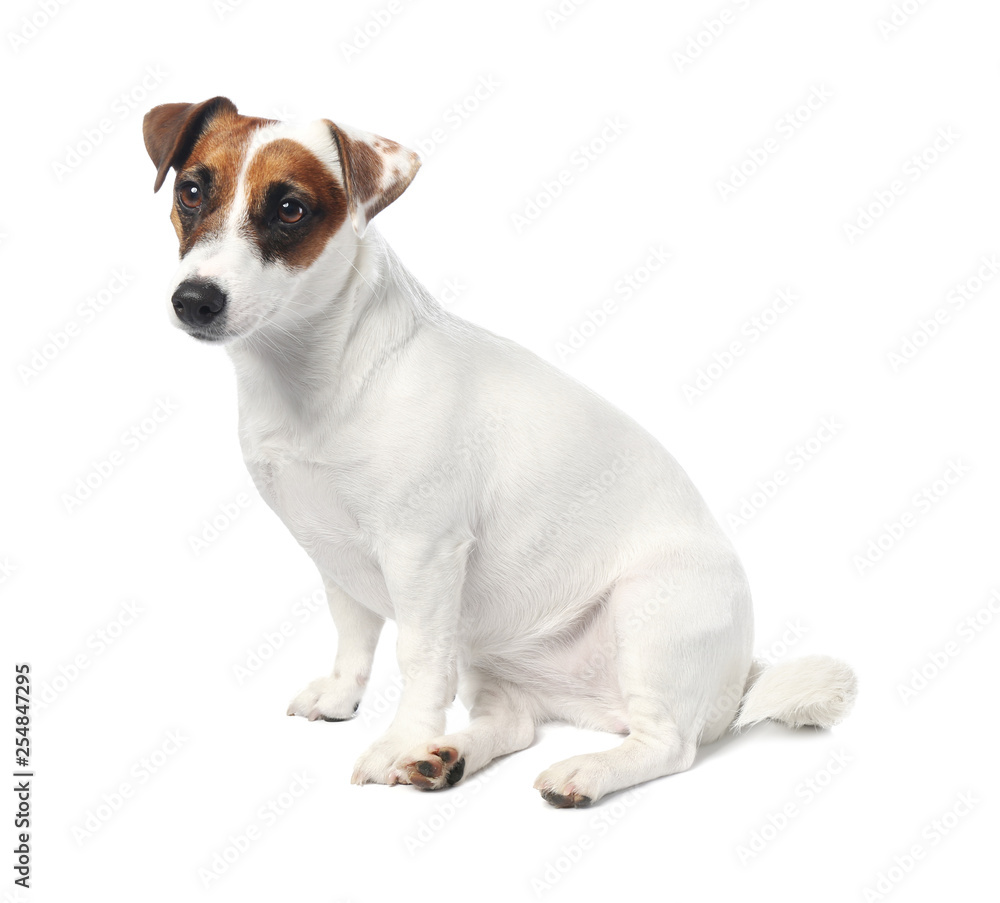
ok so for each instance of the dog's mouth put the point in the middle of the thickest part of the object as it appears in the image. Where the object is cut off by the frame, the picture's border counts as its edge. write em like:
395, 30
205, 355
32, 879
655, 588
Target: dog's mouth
220, 333
211, 333
205, 336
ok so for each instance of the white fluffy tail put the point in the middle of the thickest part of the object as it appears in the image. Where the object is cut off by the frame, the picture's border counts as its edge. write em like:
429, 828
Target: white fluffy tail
814, 689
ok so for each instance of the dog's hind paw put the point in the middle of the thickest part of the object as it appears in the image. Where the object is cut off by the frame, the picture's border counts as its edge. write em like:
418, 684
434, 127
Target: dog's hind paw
566, 784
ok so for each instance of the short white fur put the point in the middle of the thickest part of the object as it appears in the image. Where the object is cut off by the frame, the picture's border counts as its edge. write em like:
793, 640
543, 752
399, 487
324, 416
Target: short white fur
541, 553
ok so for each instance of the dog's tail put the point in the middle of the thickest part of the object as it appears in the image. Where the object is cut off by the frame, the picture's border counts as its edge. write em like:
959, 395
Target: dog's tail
814, 689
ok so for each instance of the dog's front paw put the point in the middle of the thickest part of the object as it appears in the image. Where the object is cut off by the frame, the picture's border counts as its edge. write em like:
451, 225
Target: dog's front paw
382, 763
432, 766
327, 699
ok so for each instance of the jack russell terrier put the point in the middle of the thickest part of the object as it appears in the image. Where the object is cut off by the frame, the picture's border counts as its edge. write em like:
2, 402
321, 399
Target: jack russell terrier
541, 553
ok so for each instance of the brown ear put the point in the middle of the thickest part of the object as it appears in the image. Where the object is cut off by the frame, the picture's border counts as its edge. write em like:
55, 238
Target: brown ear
171, 130
376, 171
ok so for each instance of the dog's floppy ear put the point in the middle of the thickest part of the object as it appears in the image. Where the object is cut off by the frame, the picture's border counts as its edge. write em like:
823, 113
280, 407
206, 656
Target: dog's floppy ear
171, 130
376, 171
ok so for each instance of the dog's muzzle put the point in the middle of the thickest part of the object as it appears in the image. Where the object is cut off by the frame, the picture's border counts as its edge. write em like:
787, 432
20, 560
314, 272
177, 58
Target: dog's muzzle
198, 302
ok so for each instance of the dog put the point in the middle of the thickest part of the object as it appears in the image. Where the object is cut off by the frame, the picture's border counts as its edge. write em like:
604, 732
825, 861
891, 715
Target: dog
541, 553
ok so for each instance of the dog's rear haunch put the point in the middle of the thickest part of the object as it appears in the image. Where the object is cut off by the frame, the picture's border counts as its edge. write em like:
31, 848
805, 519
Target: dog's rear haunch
450, 479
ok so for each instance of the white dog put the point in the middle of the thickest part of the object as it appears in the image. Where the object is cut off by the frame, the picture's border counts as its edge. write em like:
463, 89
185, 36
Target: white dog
540, 552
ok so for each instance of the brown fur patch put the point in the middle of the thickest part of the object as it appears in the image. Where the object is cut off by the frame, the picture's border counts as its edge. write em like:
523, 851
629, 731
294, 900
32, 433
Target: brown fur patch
214, 163
286, 168
364, 168
170, 130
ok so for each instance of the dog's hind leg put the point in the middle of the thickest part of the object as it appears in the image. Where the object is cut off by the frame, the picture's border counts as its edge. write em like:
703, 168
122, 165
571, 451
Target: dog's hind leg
502, 720
683, 631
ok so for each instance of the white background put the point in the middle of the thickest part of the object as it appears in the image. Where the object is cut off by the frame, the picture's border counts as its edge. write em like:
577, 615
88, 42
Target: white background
117, 690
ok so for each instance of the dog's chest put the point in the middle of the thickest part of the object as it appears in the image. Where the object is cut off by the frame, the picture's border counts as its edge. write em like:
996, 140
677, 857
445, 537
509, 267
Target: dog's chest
309, 499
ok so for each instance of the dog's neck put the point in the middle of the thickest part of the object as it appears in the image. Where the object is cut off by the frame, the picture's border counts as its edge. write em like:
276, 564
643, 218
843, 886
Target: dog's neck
315, 368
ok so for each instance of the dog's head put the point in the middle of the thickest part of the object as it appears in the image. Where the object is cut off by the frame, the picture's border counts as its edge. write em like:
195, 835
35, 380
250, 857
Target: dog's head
268, 215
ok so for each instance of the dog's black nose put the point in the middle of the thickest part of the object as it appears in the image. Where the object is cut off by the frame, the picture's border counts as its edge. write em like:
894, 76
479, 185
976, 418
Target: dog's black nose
198, 301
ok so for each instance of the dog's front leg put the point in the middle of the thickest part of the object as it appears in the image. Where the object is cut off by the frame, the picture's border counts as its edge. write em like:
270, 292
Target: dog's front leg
425, 585
336, 697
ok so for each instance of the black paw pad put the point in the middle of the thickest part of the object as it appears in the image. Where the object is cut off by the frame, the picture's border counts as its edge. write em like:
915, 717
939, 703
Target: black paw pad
561, 801
455, 775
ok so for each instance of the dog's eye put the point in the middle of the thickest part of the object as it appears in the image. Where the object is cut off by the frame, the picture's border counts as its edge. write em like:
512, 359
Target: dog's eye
190, 195
291, 211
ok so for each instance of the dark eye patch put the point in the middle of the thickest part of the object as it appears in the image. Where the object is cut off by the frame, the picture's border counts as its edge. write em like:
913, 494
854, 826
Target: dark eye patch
214, 163
197, 204
285, 169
